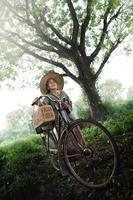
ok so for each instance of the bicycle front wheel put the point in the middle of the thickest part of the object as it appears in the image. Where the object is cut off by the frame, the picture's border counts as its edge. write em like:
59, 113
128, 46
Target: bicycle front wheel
90, 153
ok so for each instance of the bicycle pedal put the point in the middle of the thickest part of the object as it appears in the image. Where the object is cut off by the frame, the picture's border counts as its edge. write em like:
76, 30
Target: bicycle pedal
53, 151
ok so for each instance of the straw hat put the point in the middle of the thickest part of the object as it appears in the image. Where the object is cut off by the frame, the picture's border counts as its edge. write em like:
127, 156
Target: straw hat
51, 74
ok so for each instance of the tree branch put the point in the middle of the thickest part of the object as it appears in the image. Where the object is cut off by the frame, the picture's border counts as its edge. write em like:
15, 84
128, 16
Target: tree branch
9, 6
27, 9
38, 30
60, 65
106, 57
55, 31
50, 41
75, 22
71, 76
44, 36
84, 27
41, 47
104, 31
115, 16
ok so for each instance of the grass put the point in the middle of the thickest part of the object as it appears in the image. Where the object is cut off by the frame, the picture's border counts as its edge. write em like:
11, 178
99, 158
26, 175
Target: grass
25, 171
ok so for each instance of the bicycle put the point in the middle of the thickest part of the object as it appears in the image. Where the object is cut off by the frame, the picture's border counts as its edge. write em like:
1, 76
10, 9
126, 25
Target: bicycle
94, 163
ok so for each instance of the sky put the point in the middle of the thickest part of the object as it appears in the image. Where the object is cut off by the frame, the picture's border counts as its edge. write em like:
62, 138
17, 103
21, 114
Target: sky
119, 67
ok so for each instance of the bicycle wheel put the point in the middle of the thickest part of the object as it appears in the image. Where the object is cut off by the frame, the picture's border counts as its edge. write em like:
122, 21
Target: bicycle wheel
90, 153
50, 143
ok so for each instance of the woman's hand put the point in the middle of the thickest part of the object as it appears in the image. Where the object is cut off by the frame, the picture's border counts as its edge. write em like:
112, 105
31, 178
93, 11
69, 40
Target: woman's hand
65, 104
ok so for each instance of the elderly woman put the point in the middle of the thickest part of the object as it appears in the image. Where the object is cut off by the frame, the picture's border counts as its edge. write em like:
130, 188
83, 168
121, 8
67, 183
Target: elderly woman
51, 86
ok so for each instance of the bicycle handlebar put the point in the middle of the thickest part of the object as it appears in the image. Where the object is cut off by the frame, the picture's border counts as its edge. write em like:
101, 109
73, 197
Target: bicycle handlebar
35, 100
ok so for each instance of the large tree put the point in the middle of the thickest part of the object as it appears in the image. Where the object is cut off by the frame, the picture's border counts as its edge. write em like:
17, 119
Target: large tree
69, 34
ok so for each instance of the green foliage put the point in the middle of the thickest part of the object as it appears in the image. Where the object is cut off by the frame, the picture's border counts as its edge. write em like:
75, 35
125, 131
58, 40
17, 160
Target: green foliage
82, 110
57, 13
121, 124
111, 90
92, 133
18, 162
116, 109
120, 120
130, 93
25, 169
24, 162
18, 125
128, 50
81, 107
114, 4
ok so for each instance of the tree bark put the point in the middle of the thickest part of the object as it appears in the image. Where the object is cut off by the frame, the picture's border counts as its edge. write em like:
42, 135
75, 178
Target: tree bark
87, 81
97, 109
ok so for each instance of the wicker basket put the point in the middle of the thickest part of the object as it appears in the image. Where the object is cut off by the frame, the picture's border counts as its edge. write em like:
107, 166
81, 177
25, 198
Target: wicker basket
43, 116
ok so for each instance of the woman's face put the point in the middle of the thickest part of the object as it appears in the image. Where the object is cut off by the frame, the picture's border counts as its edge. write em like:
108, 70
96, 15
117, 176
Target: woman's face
52, 84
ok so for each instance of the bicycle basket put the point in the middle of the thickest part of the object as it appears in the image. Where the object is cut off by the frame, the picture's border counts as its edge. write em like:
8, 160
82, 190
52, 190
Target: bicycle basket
43, 116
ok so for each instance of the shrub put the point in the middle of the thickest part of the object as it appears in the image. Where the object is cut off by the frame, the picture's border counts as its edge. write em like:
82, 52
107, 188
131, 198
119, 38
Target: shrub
25, 172
119, 123
123, 123
116, 109
19, 161
91, 133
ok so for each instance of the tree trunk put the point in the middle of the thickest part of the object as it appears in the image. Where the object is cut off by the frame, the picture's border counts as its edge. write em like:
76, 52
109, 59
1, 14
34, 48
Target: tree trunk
97, 109
87, 82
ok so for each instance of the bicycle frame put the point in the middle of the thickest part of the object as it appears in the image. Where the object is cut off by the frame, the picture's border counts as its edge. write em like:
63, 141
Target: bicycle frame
62, 155
59, 141
61, 135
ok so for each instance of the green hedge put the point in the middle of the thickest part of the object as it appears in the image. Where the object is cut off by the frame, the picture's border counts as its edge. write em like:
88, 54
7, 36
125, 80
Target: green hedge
118, 108
25, 170
121, 117
121, 123
23, 167
25, 173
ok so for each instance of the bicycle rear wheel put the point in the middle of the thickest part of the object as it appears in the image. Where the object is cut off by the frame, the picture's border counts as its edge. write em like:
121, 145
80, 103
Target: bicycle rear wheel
50, 142
90, 153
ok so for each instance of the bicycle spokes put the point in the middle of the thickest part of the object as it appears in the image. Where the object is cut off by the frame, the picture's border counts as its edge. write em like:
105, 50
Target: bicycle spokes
95, 154
50, 144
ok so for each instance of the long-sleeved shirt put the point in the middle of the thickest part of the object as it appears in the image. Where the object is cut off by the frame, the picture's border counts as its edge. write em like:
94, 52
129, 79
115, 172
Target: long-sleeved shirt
55, 102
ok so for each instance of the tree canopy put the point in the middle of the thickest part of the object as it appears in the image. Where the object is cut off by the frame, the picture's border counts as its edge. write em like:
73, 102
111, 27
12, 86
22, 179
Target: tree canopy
50, 30
76, 36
